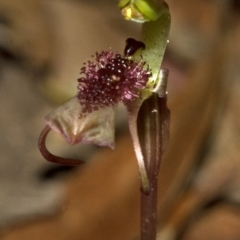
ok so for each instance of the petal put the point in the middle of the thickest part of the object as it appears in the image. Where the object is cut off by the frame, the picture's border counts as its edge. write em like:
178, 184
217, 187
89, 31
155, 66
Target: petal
96, 127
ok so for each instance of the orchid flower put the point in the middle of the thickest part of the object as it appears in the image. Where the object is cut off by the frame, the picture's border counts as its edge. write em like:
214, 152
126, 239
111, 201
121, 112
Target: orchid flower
134, 79
89, 116
109, 79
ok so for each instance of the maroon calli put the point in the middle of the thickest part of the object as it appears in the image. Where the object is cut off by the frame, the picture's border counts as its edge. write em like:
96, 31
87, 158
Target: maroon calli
109, 80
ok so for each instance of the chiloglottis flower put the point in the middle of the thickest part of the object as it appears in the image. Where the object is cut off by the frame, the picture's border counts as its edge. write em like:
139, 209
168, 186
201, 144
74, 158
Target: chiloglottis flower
134, 79
89, 117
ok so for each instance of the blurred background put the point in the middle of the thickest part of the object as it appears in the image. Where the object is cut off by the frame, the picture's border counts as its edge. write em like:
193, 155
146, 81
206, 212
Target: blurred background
43, 45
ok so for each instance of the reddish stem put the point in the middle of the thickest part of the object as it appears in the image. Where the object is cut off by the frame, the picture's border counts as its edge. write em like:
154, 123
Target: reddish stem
153, 127
49, 156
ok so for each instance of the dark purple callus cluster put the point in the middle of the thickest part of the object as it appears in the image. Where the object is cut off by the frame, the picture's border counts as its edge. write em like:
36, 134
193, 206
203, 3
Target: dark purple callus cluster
109, 80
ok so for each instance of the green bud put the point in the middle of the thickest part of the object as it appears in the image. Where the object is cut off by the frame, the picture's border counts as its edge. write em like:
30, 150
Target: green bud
141, 10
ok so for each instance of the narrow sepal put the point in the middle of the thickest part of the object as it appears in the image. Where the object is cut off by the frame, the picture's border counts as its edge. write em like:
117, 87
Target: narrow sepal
133, 109
49, 156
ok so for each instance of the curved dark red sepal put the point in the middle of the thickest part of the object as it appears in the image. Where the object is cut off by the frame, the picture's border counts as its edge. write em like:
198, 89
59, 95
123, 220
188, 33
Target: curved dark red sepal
49, 156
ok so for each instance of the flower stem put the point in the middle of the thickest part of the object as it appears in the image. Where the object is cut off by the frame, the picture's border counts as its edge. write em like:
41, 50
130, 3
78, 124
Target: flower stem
153, 126
149, 212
